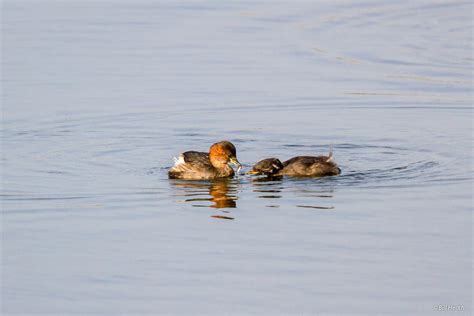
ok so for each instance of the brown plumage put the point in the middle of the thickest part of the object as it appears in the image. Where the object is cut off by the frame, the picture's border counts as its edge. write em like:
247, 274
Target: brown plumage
195, 165
301, 166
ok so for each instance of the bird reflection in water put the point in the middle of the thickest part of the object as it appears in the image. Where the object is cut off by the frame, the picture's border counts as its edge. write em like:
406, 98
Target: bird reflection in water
268, 187
222, 193
306, 191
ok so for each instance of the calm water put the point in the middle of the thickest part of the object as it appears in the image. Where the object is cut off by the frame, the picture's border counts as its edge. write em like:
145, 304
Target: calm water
98, 96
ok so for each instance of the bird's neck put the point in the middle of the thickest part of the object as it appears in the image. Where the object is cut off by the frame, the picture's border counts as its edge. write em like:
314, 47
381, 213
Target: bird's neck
225, 170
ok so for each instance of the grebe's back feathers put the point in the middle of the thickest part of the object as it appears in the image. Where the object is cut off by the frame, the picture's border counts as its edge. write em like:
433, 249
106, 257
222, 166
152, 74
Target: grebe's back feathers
189, 161
311, 166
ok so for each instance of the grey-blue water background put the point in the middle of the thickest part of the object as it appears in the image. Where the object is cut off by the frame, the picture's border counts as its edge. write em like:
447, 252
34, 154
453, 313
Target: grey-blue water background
99, 96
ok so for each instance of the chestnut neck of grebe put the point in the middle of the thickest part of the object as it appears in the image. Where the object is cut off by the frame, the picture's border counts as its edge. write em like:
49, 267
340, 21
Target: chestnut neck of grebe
221, 154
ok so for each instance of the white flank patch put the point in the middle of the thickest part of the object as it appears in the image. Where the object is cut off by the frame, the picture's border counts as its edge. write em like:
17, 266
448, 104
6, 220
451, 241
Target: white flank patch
179, 161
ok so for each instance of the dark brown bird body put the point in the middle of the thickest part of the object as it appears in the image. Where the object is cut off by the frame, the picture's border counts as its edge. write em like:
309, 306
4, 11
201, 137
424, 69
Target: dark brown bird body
300, 166
309, 166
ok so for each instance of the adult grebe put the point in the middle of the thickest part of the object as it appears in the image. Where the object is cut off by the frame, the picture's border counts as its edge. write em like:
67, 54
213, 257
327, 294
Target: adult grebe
193, 165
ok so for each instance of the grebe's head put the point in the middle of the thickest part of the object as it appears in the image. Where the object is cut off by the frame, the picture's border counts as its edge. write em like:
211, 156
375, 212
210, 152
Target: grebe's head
223, 153
269, 166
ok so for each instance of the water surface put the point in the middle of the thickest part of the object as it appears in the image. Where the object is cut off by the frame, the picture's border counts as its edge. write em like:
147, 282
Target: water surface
98, 97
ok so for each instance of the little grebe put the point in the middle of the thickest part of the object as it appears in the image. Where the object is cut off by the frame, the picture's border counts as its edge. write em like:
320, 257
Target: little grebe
301, 166
193, 165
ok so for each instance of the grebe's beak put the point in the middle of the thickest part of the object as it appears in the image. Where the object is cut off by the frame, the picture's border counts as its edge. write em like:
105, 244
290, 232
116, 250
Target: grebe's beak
236, 163
252, 172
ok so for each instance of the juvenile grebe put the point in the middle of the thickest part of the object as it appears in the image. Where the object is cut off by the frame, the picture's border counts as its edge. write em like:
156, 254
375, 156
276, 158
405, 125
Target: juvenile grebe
301, 166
